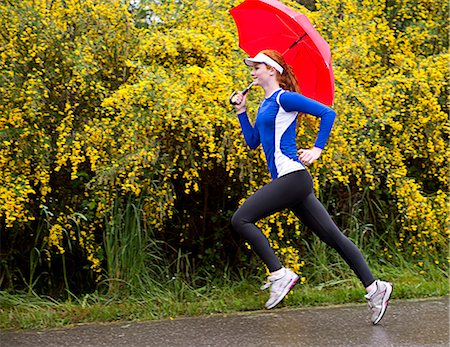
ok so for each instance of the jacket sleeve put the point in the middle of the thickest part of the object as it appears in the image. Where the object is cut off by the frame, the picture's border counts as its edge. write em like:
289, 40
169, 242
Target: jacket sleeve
291, 102
251, 134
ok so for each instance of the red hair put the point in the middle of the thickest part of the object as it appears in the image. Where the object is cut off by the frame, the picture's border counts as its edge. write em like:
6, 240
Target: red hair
287, 80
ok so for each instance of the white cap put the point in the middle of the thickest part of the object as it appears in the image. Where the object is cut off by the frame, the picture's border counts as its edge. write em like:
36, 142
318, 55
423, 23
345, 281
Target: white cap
262, 58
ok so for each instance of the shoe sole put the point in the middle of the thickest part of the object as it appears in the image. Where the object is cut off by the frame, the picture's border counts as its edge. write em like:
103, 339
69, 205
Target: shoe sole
285, 291
386, 298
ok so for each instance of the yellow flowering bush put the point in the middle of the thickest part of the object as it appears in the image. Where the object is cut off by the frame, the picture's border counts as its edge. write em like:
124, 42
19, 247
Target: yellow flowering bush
392, 129
101, 101
58, 61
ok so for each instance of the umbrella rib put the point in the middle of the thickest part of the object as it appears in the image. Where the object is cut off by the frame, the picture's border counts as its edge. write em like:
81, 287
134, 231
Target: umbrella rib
291, 46
289, 28
286, 25
298, 40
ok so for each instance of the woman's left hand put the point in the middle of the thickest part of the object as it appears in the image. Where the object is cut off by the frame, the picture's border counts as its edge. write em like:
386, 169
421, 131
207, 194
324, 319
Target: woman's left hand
308, 156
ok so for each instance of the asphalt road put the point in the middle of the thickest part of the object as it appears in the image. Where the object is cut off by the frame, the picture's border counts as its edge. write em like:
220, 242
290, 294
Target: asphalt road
407, 323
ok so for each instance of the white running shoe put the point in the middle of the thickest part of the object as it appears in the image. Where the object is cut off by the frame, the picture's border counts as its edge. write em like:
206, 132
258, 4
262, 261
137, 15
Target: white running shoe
279, 287
378, 299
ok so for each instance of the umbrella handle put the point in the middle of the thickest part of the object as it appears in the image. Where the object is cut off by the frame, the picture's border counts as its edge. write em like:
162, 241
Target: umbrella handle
245, 91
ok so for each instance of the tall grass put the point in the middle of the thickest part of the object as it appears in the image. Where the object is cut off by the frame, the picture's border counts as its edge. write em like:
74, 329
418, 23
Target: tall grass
36, 256
142, 281
363, 215
224, 294
134, 259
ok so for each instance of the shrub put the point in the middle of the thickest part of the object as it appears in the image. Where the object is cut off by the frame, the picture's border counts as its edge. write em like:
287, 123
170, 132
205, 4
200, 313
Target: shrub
103, 103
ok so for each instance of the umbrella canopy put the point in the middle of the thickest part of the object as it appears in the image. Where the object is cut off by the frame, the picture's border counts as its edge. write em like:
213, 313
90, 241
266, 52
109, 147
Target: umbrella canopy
268, 24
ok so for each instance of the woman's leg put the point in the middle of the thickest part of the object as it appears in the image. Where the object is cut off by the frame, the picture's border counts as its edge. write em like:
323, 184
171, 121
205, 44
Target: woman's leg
281, 193
312, 213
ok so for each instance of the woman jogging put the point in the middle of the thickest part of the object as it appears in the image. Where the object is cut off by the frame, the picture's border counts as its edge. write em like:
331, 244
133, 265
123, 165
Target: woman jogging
292, 185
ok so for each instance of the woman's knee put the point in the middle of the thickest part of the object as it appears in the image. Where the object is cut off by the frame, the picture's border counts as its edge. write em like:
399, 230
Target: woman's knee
236, 220
240, 219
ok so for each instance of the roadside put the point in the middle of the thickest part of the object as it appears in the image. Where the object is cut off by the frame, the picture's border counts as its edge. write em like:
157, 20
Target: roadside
407, 323
217, 297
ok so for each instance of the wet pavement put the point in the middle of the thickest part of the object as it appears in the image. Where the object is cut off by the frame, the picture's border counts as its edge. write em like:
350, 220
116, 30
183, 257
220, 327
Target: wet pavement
407, 323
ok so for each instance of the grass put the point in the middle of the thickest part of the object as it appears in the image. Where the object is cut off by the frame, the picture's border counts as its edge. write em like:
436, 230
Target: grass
144, 285
221, 296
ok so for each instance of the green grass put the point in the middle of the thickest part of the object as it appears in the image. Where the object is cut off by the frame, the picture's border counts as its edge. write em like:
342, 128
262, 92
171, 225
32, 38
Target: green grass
143, 284
220, 296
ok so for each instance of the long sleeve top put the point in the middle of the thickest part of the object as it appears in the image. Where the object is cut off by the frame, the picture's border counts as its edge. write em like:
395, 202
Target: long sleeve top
275, 129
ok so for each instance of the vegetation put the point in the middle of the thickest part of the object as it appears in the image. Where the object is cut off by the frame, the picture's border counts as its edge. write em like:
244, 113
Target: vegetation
121, 161
226, 294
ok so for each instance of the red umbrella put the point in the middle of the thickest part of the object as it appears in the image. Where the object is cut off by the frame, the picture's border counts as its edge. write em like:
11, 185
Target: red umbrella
268, 24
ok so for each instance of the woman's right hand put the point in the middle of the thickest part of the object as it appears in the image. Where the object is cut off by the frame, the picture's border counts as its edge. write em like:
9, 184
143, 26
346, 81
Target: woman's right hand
239, 102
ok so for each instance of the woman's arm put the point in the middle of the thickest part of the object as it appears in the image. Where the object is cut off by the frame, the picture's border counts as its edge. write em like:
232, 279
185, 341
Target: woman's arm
251, 135
291, 102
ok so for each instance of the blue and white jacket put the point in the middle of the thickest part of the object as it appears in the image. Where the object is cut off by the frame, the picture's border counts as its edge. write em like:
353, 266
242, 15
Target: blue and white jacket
275, 129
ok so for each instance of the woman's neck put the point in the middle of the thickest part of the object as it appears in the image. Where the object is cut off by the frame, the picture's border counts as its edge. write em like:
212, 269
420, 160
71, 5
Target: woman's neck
270, 88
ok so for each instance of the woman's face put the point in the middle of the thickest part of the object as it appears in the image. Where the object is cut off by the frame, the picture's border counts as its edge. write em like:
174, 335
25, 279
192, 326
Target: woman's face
261, 73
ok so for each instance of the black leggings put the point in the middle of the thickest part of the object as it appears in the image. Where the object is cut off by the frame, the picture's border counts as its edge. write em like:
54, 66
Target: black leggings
295, 191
